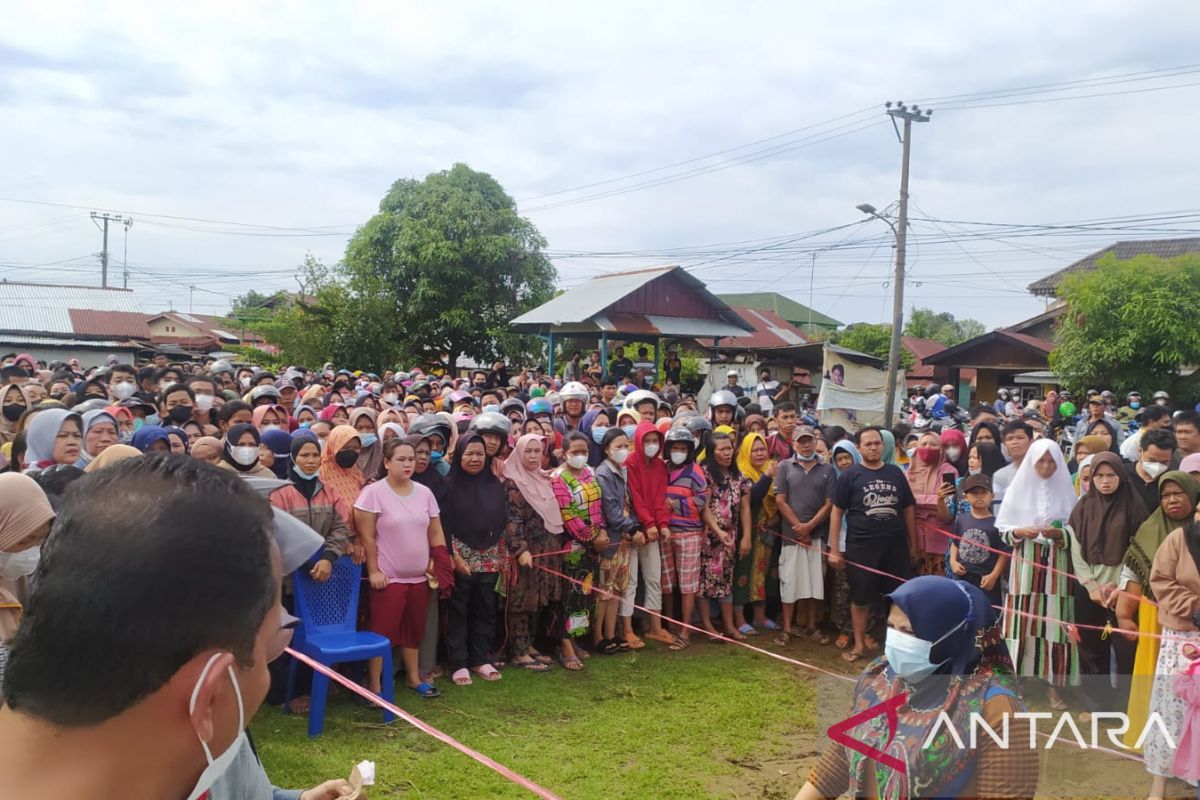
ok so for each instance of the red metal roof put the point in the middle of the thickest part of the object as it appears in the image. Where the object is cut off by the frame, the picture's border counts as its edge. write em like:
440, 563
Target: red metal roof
771, 331
1032, 341
120, 324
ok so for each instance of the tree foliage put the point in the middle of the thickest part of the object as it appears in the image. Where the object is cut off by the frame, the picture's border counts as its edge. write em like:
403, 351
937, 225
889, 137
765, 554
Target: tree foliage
444, 267
1129, 324
941, 327
874, 339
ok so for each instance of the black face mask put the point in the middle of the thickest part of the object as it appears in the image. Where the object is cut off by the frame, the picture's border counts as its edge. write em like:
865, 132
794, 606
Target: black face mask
346, 459
180, 414
13, 411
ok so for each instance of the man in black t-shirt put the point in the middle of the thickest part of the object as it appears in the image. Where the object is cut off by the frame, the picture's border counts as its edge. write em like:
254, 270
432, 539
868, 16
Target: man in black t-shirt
877, 503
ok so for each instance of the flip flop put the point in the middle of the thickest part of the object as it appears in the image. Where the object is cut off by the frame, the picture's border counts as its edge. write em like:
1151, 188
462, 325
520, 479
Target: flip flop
609, 647
662, 637
772, 625
843, 641
747, 629
461, 677
541, 658
633, 642
680, 643
783, 639
818, 636
571, 663
426, 690
850, 656
487, 672
736, 635
533, 665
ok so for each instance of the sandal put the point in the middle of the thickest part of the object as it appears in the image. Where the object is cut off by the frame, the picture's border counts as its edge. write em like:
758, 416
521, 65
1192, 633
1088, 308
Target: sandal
736, 635
680, 643
533, 665
870, 643
632, 642
662, 637
461, 677
540, 657
430, 677
747, 629
784, 639
571, 663
818, 636
850, 656
488, 672
426, 690
843, 641
299, 705
609, 647
772, 625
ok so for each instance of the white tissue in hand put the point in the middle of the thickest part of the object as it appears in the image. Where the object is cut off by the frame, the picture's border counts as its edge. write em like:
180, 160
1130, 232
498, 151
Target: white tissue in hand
367, 770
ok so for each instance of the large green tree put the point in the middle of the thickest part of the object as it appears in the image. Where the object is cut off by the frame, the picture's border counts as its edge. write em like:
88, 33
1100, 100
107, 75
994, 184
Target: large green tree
874, 339
445, 265
941, 327
1129, 324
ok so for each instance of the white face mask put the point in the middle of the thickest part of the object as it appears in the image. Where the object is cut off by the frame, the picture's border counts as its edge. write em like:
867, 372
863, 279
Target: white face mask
650, 450
1153, 468
272, 428
204, 402
952, 453
244, 455
908, 655
245, 382
619, 455
14, 566
220, 765
910, 451
678, 458
390, 399
123, 390
577, 462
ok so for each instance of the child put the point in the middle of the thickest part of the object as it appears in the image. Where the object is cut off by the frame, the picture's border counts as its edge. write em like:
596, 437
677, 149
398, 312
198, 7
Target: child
973, 556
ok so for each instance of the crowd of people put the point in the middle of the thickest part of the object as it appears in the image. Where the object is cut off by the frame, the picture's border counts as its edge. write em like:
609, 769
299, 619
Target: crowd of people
530, 522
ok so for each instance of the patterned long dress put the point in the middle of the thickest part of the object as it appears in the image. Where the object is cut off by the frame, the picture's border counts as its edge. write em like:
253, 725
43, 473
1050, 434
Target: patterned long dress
716, 557
530, 589
1038, 608
756, 576
583, 519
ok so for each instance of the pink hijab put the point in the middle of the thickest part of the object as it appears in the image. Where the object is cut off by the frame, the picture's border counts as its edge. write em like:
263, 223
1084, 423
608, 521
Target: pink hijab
534, 485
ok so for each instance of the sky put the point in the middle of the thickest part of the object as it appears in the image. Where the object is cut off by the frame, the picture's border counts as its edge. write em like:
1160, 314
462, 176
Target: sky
239, 137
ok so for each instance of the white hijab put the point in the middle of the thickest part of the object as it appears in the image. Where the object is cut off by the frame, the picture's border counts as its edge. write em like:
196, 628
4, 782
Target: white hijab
1031, 501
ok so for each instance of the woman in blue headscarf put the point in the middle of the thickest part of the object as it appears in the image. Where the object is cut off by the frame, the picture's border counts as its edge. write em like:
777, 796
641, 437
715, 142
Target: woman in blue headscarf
946, 655
279, 442
152, 439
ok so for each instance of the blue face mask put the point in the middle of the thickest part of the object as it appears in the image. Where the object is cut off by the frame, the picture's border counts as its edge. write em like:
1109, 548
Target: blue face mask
138, 424
436, 455
909, 656
368, 439
598, 434
306, 424
1135, 404
630, 430
304, 474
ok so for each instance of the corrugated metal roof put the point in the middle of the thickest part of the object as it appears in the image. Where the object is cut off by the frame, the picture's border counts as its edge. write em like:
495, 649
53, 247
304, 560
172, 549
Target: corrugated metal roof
124, 324
782, 305
45, 308
590, 298
1122, 251
52, 341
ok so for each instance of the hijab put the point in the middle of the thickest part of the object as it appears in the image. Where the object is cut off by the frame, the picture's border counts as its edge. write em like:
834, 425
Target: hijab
149, 434
924, 478
431, 479
534, 484
1114, 436
180, 434
847, 446
752, 418
746, 467
991, 458
370, 458
1150, 535
1104, 523
306, 487
992, 428
260, 412
346, 482
236, 432
91, 418
328, 411
280, 443
889, 446
1190, 463
1033, 501
938, 607
476, 510
951, 437
23, 508
42, 433
113, 454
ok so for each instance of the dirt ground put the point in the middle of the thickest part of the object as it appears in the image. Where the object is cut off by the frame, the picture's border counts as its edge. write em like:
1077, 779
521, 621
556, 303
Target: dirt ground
781, 769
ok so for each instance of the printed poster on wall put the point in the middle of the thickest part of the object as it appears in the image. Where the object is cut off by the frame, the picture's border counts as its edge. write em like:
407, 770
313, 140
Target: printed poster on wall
853, 395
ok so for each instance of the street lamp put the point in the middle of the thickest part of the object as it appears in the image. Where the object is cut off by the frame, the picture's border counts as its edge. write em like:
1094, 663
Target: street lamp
897, 316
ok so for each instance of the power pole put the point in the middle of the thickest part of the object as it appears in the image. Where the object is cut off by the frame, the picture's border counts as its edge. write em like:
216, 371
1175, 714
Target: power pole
106, 218
909, 115
125, 259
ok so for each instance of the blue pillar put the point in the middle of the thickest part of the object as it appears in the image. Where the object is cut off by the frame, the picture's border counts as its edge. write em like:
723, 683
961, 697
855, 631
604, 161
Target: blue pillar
550, 354
604, 353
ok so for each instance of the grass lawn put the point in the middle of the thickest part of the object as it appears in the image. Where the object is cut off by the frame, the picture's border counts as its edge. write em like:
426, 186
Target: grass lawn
713, 721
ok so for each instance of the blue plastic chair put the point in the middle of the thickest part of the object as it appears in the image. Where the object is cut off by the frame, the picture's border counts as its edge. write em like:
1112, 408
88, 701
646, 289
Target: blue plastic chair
327, 633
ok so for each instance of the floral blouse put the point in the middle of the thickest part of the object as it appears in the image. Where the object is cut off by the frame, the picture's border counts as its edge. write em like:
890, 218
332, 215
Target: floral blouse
579, 500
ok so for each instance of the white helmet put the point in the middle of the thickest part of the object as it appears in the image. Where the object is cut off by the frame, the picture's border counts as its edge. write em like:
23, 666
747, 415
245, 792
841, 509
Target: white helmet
641, 396
574, 390
722, 398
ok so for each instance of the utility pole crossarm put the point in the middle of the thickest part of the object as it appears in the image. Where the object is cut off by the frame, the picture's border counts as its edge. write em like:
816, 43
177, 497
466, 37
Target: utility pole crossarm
107, 218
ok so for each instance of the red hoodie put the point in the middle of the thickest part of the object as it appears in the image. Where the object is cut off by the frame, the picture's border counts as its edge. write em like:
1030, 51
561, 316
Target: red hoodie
648, 481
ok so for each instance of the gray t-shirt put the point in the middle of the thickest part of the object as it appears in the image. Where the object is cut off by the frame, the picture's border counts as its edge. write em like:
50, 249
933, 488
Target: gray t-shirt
805, 491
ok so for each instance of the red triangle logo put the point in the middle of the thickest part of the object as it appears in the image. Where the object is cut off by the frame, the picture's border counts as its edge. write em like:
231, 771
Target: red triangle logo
839, 732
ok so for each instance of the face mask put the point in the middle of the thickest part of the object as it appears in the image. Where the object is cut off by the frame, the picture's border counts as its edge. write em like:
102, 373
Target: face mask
1004, 452
368, 439
952, 453
910, 451
1134, 404
220, 765
123, 390
306, 425
346, 459
180, 414
929, 454
1153, 468
245, 382
126, 437
809, 457
436, 455
598, 434
139, 423
307, 476
13, 411
14, 566
271, 428
245, 456
390, 398
974, 471
678, 458
619, 455
577, 462
204, 402
630, 430
909, 656
650, 450
57, 395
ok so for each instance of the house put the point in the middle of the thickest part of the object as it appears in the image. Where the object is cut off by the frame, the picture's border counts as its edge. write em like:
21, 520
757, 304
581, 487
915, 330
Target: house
1122, 251
199, 333
806, 319
54, 322
923, 373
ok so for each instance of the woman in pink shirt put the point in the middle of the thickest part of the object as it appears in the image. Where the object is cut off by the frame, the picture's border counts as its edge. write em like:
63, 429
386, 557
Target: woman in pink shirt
398, 522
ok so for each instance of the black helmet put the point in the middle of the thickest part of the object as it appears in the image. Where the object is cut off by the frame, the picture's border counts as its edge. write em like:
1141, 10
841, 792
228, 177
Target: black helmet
679, 433
696, 425
513, 405
428, 425
491, 422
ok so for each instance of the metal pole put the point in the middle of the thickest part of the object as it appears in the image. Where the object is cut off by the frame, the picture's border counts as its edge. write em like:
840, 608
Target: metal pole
104, 256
